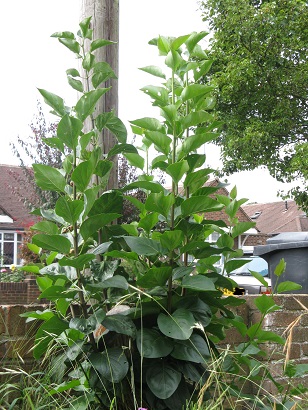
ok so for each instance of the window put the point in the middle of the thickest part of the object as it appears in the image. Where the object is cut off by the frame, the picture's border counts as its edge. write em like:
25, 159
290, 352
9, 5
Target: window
10, 248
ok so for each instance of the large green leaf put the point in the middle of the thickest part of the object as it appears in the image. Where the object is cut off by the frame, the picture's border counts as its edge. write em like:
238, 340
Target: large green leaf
174, 60
280, 268
94, 223
179, 41
114, 125
162, 379
150, 124
56, 243
193, 350
68, 131
88, 61
198, 204
198, 282
154, 70
108, 202
194, 39
75, 84
111, 364
85, 326
82, 175
156, 276
116, 281
78, 262
63, 34
134, 160
196, 180
46, 227
148, 222
259, 277
172, 239
46, 334
201, 311
196, 90
288, 286
69, 210
233, 264
179, 325
152, 344
193, 142
102, 72
85, 28
120, 324
71, 44
159, 202
266, 304
202, 69
86, 104
49, 178
263, 336
54, 101
102, 248
143, 246
177, 170
241, 227
159, 94
100, 43
119, 148
196, 118
160, 140
147, 185
56, 292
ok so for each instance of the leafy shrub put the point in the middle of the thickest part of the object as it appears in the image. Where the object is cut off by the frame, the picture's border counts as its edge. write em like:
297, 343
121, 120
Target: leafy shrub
143, 332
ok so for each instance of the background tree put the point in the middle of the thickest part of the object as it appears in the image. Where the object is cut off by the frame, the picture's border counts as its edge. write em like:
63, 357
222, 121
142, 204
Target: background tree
34, 150
260, 64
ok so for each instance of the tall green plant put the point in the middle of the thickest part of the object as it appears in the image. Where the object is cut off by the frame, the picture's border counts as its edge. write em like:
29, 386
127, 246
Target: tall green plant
133, 323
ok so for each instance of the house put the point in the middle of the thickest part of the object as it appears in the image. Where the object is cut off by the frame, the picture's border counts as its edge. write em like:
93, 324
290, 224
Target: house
252, 236
15, 217
277, 217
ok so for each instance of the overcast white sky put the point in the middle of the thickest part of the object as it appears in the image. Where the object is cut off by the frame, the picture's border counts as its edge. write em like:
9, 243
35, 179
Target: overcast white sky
31, 59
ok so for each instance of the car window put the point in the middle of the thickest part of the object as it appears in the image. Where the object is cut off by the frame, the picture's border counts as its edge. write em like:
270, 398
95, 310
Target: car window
256, 264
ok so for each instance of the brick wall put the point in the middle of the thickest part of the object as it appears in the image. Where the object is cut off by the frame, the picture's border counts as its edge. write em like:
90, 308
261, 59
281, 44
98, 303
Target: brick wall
17, 337
22, 293
292, 312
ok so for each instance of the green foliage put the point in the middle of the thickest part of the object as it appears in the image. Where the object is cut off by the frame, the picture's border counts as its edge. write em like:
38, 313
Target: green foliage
132, 322
8, 275
260, 66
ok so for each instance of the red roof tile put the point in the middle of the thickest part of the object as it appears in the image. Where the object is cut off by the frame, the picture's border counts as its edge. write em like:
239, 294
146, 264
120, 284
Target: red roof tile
276, 217
14, 190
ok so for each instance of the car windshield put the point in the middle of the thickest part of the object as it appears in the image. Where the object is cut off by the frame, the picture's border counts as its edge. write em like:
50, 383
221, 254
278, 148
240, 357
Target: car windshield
256, 264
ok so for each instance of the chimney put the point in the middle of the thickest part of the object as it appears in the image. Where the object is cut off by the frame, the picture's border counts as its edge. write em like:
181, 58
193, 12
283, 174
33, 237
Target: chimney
285, 205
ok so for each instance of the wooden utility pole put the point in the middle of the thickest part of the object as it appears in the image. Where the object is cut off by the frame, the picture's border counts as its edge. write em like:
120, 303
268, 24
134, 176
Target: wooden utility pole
105, 24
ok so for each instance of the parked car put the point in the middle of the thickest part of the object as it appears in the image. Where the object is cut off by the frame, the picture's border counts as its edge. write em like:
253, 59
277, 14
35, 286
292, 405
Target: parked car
248, 283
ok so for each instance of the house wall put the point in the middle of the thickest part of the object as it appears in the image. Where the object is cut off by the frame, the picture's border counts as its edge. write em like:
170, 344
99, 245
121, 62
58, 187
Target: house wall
17, 336
19, 292
292, 312
255, 240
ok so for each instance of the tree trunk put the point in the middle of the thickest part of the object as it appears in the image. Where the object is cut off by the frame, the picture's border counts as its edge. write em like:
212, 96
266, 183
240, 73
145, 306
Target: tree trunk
105, 24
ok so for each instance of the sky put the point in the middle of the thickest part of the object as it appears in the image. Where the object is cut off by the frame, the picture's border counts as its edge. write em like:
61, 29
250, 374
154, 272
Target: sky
31, 59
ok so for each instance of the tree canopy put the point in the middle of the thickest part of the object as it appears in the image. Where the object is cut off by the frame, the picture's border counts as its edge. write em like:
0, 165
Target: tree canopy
260, 64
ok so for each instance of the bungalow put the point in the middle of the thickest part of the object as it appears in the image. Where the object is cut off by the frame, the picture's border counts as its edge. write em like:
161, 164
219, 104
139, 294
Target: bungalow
277, 217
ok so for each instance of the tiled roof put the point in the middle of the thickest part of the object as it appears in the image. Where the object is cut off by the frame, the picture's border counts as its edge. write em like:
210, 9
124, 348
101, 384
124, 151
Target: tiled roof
13, 191
276, 217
